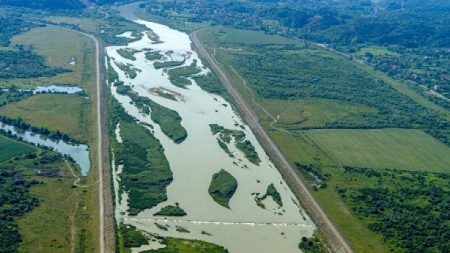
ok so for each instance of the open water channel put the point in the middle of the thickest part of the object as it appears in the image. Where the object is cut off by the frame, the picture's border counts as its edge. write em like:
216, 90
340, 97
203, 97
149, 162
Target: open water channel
245, 227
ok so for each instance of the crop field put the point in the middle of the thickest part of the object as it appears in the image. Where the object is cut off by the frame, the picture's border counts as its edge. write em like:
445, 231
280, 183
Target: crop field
61, 48
66, 113
10, 148
386, 148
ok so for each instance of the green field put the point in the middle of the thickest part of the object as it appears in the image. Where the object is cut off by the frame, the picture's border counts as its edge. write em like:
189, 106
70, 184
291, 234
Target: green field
386, 148
59, 46
287, 111
376, 51
71, 114
294, 114
66, 113
10, 148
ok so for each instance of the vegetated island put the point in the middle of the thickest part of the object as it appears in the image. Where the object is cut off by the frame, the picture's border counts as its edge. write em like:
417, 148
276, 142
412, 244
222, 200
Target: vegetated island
169, 120
179, 76
222, 187
245, 146
272, 192
171, 210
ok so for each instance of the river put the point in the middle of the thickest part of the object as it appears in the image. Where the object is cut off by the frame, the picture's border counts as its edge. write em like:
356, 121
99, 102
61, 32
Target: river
245, 227
78, 152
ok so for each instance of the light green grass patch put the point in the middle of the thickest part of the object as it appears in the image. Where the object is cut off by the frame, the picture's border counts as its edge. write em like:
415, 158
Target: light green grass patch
60, 47
47, 228
66, 113
220, 36
85, 24
314, 112
376, 51
385, 148
10, 148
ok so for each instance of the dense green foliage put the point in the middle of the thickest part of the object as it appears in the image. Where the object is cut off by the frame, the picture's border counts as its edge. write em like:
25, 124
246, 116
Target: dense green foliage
146, 171
12, 95
167, 64
311, 245
22, 63
249, 151
127, 53
175, 210
245, 146
15, 183
11, 25
222, 187
44, 4
415, 27
16, 200
176, 245
131, 237
408, 208
411, 24
225, 148
179, 76
153, 55
303, 71
169, 120
272, 192
128, 69
210, 83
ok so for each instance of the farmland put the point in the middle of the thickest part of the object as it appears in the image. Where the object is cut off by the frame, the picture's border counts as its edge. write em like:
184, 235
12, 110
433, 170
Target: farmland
386, 148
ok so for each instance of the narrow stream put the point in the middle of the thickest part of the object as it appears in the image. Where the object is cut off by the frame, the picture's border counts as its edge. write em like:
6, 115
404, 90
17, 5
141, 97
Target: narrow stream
245, 227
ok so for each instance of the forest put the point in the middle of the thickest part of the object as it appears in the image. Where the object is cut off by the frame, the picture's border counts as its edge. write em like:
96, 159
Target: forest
407, 208
23, 63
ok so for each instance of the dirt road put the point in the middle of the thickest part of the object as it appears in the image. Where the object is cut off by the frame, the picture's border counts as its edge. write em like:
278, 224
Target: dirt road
333, 236
106, 211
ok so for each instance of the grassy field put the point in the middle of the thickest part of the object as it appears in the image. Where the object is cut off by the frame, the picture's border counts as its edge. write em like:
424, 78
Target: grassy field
86, 24
66, 113
294, 114
361, 239
43, 232
386, 148
285, 120
10, 148
60, 47
376, 51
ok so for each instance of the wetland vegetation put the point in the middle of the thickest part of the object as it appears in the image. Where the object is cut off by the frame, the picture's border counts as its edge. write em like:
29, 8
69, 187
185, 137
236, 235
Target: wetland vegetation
222, 187
179, 76
175, 210
169, 120
176, 245
127, 53
385, 108
245, 146
147, 172
167, 64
